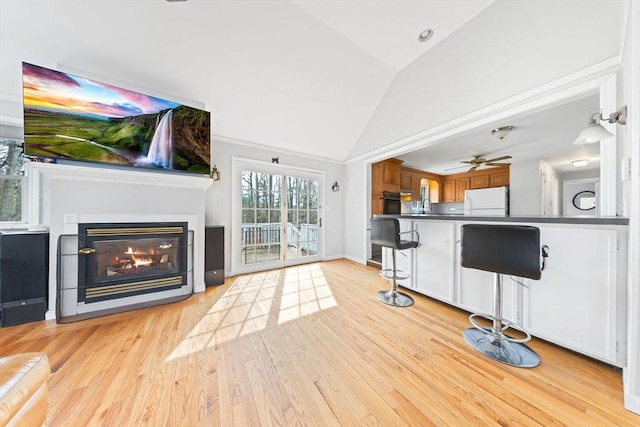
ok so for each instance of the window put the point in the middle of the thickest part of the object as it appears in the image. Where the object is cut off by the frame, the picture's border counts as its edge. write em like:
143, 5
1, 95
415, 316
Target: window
12, 181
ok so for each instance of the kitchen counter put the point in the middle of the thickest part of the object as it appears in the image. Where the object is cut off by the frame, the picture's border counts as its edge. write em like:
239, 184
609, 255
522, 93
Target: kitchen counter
580, 302
586, 219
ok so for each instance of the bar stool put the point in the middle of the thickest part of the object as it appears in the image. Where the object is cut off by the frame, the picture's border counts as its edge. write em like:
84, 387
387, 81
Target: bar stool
502, 249
386, 233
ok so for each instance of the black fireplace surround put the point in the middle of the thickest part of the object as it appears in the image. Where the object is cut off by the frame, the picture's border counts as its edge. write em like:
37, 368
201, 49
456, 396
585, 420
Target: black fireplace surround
122, 260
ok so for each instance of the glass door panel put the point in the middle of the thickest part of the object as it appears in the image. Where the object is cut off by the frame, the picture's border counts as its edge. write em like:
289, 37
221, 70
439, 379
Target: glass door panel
303, 224
261, 217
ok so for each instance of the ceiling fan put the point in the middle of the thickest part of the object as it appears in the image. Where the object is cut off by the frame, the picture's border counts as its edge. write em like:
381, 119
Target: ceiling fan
478, 161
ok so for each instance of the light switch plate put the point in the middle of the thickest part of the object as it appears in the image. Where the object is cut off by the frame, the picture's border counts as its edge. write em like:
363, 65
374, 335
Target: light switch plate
625, 169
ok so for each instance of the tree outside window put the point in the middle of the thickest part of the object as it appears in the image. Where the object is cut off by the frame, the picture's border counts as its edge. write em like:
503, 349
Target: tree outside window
11, 180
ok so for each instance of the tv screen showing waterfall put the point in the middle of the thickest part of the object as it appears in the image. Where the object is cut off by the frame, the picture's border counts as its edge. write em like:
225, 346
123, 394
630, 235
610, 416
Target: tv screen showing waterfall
74, 118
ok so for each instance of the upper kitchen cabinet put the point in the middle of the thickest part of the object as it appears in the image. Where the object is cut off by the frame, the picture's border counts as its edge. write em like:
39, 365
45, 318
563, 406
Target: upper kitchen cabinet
455, 185
391, 174
414, 180
385, 176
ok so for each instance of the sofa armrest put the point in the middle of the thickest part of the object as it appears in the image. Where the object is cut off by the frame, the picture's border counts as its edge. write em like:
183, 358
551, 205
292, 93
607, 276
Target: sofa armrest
23, 389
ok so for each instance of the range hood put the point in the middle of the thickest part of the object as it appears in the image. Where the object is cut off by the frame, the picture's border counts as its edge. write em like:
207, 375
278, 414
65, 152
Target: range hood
406, 192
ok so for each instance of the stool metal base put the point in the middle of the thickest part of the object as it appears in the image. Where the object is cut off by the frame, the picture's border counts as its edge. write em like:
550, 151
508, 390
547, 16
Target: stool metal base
394, 298
502, 350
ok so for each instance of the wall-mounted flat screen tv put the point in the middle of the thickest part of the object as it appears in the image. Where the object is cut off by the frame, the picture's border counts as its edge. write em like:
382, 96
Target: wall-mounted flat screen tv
74, 118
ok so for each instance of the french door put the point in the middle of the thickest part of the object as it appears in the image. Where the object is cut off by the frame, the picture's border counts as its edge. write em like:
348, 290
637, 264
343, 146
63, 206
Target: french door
277, 216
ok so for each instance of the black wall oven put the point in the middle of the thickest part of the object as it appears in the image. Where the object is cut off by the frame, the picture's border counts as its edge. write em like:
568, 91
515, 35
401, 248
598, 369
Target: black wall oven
391, 203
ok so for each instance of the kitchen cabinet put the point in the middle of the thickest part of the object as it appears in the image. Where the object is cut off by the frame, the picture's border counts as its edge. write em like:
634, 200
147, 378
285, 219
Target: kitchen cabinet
455, 185
391, 171
462, 185
479, 181
454, 188
415, 187
449, 191
579, 303
405, 179
434, 266
377, 186
499, 178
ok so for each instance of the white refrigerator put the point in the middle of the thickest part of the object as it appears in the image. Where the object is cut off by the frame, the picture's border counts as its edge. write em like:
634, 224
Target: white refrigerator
487, 201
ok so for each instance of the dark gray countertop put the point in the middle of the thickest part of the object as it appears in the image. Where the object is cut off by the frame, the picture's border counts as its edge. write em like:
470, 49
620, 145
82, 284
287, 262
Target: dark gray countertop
586, 219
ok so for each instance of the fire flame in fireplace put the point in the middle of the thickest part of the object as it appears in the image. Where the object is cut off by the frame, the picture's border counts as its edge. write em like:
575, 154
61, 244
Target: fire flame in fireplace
140, 258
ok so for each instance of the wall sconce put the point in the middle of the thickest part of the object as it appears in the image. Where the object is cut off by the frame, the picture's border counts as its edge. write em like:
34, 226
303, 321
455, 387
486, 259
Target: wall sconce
215, 173
335, 186
501, 132
594, 131
580, 163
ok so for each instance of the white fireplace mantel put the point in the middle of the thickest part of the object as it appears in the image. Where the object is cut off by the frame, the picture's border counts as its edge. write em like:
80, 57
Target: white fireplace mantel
60, 196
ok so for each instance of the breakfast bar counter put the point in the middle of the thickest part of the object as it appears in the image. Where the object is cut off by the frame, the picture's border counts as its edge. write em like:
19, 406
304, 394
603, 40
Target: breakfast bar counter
542, 219
579, 303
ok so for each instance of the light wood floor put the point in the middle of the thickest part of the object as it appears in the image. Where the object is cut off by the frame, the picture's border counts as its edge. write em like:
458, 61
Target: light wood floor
310, 346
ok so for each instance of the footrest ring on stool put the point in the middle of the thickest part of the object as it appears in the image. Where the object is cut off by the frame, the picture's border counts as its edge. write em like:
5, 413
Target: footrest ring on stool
391, 274
500, 335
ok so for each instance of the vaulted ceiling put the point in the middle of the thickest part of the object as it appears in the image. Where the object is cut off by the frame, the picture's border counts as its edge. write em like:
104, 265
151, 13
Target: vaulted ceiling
315, 77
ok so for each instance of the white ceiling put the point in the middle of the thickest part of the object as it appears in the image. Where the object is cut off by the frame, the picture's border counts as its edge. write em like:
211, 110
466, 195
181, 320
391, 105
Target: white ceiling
388, 30
545, 135
304, 76
312, 77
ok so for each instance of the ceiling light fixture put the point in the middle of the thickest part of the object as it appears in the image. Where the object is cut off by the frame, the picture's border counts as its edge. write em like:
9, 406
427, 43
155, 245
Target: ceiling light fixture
594, 131
580, 163
425, 35
501, 132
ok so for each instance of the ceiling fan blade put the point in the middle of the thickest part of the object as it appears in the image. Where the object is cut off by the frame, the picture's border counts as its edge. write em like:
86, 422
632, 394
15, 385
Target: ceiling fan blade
474, 167
497, 159
457, 167
467, 161
497, 164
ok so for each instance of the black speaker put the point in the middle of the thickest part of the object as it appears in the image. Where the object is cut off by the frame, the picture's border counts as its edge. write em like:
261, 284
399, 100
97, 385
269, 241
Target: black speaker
24, 277
214, 255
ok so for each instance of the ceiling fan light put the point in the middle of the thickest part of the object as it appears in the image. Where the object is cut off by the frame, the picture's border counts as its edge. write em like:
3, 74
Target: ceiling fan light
592, 133
580, 163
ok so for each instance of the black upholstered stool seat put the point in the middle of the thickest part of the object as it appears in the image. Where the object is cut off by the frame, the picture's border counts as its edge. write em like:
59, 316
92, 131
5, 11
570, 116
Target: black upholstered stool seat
386, 233
501, 249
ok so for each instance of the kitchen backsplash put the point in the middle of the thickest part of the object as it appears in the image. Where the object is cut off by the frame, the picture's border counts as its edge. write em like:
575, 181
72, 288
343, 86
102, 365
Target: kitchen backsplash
447, 208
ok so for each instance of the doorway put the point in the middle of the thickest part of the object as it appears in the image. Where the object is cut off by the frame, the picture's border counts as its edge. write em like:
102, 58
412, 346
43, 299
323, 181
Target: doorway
277, 216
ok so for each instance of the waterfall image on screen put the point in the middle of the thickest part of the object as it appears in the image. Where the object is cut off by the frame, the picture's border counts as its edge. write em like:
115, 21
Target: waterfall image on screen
74, 118
161, 144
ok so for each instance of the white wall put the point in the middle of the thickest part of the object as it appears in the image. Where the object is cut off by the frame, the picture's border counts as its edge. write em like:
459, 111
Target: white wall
569, 191
507, 49
218, 197
631, 197
524, 188
356, 211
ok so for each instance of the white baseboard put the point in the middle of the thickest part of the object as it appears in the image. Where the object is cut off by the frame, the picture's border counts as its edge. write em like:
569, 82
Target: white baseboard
632, 403
333, 257
354, 259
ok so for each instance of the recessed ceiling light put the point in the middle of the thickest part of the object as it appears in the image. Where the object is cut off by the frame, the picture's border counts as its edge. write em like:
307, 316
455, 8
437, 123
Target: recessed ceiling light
580, 163
425, 35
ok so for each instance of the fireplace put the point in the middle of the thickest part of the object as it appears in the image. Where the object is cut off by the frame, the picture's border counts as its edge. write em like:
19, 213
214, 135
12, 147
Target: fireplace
122, 260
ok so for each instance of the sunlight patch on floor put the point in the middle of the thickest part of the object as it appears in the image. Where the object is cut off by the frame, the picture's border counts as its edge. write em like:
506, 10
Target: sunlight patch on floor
257, 301
305, 292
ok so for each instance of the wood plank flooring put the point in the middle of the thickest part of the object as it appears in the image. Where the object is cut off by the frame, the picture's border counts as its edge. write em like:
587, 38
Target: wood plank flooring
305, 346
